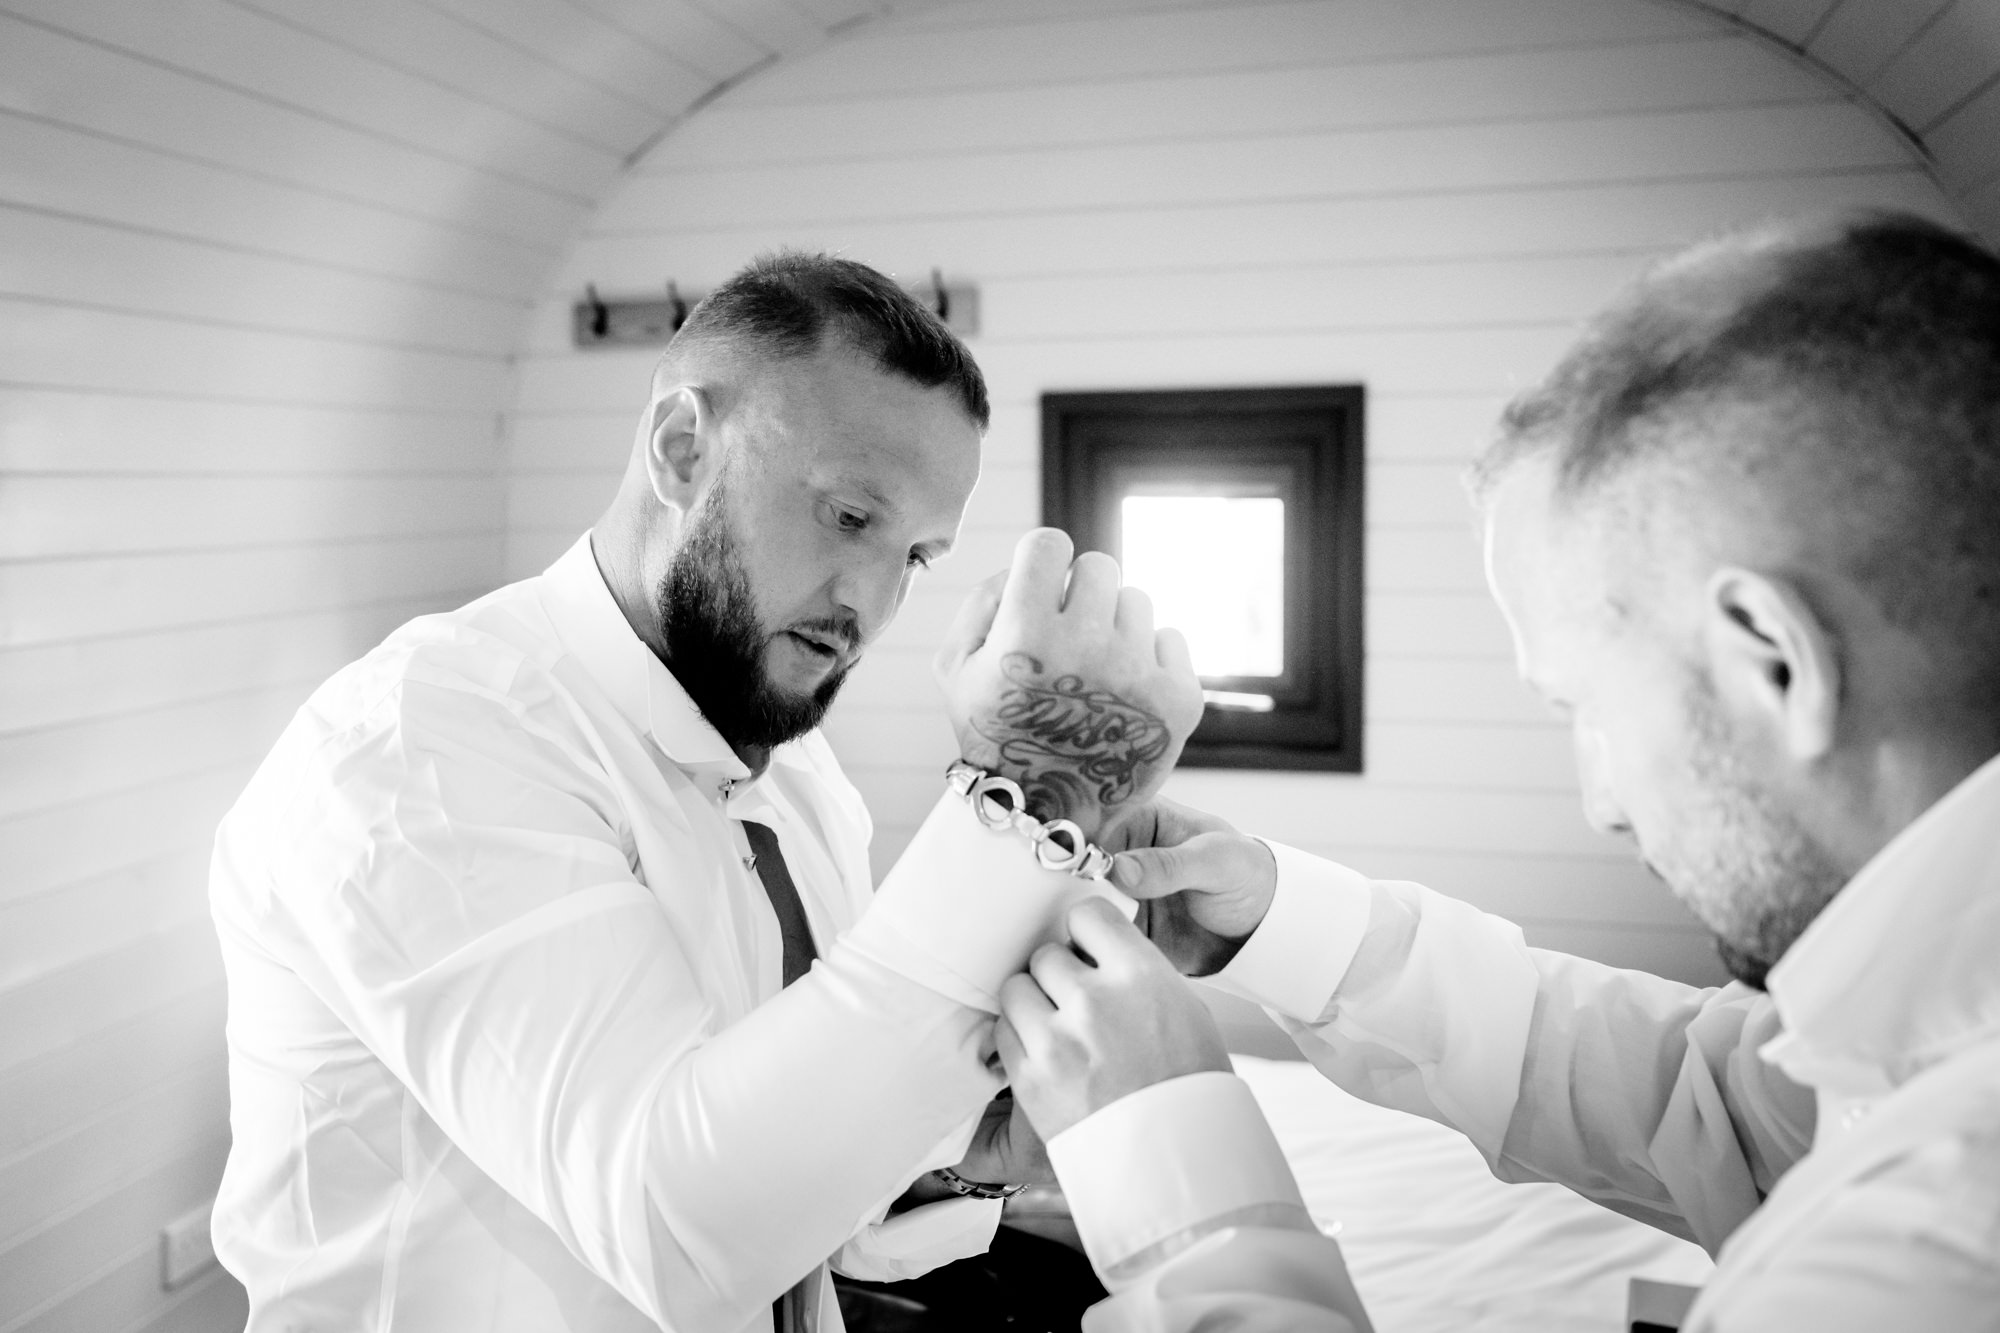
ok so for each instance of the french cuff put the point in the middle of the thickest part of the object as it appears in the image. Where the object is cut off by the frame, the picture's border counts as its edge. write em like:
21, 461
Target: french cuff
1162, 1167
912, 1243
966, 905
1299, 952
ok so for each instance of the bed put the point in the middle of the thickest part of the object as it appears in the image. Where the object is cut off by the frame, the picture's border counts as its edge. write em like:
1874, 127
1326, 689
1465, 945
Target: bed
1435, 1243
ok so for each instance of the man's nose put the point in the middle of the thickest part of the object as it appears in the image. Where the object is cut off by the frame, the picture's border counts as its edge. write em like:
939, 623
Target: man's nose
871, 594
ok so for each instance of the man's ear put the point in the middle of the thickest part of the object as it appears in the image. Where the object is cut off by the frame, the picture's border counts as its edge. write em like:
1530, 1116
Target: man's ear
1772, 656
680, 446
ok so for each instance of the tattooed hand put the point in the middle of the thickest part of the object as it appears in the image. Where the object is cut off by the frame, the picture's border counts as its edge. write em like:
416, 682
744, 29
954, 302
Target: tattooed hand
1068, 690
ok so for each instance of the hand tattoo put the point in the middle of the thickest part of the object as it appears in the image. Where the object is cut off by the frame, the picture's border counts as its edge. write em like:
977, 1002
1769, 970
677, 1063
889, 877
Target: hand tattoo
1069, 746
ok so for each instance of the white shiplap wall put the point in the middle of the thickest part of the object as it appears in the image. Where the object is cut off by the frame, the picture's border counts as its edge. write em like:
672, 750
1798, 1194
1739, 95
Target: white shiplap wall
1420, 195
251, 369
263, 264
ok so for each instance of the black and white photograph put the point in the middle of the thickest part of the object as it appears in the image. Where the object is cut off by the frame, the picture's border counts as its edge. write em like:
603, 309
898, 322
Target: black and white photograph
999, 666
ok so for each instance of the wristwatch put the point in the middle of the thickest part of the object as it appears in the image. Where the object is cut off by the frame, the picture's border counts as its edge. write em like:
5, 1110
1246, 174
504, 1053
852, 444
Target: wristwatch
973, 1189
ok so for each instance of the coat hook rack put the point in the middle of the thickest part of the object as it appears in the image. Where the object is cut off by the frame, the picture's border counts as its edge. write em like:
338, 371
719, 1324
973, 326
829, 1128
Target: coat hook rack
940, 296
652, 321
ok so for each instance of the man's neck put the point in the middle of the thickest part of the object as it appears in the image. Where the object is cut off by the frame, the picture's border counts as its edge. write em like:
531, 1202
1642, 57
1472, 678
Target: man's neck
1894, 787
620, 565
626, 581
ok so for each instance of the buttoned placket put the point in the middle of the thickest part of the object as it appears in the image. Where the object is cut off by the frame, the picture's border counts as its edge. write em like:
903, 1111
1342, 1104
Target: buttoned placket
726, 790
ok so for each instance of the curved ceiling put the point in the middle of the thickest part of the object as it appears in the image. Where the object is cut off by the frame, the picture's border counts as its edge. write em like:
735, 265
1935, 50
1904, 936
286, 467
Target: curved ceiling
1932, 67
462, 144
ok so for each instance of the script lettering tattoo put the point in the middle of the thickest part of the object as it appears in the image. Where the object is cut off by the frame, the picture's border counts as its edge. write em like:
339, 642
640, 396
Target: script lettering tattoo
1071, 747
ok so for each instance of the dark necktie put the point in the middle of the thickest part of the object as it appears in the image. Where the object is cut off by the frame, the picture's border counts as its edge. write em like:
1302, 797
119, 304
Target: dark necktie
788, 1312
784, 896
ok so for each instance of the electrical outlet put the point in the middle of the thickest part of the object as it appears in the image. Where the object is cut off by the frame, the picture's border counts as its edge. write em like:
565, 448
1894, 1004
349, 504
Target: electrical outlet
186, 1252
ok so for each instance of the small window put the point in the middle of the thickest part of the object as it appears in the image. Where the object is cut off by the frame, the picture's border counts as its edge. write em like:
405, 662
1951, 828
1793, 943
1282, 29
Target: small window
1239, 512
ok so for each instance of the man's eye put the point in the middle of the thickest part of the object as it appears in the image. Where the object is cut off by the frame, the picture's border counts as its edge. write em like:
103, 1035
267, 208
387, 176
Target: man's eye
848, 520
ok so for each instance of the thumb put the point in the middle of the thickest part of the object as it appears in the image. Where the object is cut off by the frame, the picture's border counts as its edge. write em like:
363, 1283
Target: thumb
970, 626
1210, 862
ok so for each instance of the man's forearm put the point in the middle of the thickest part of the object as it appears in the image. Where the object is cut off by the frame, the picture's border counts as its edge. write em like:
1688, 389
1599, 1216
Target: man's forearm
818, 1107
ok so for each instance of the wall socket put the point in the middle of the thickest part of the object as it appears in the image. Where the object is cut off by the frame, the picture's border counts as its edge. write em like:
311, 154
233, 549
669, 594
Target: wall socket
186, 1252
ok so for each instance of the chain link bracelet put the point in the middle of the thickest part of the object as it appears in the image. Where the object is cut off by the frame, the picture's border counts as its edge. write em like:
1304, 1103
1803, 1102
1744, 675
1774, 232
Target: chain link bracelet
999, 803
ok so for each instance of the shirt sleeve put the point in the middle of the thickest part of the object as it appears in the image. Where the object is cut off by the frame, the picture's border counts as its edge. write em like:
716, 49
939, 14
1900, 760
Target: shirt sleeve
452, 884
1643, 1094
1193, 1220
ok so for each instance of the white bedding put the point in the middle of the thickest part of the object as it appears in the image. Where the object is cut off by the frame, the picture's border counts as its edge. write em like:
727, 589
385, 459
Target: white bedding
1434, 1241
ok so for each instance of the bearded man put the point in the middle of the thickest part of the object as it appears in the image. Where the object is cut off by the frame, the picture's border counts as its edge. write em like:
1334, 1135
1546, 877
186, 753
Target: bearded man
1747, 537
557, 1000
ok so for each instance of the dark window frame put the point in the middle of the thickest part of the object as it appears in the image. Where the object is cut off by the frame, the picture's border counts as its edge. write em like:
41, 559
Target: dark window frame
1307, 442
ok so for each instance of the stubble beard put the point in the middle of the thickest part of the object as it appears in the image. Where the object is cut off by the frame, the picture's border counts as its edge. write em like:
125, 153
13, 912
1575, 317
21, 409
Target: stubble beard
714, 642
1746, 865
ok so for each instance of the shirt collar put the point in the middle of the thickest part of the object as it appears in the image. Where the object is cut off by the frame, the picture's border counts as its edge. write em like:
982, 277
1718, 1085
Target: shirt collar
595, 631
1898, 971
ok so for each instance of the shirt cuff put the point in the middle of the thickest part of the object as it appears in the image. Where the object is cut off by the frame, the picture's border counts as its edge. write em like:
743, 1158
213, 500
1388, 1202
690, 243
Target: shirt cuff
966, 905
1299, 952
1171, 1162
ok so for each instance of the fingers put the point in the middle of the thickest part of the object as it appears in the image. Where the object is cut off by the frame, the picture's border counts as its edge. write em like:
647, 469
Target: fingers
1205, 861
1059, 972
1007, 1043
1035, 583
971, 625
1135, 615
1172, 651
1025, 1011
1092, 597
1101, 930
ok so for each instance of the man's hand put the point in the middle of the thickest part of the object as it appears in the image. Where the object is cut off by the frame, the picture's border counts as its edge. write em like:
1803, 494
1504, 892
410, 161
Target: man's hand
1005, 1149
1056, 679
1202, 886
1088, 1024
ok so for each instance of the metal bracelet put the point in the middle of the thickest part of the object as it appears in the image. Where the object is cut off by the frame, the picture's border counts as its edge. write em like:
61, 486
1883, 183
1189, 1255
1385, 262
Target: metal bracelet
999, 803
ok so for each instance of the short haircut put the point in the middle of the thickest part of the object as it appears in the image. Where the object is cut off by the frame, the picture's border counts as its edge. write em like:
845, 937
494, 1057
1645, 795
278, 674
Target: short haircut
783, 304
1868, 348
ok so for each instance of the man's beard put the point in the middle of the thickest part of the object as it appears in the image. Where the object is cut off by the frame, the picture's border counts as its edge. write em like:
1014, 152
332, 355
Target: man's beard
1745, 865
714, 642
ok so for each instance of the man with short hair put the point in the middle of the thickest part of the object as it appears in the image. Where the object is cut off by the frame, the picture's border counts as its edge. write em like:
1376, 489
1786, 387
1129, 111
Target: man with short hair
557, 1000
1747, 538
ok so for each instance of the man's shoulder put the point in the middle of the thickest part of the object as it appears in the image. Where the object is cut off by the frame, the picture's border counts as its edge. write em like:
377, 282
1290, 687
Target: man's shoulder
500, 647
468, 679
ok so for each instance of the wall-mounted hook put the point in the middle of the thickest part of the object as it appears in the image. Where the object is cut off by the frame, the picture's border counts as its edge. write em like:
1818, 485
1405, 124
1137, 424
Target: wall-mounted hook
600, 313
940, 298
678, 307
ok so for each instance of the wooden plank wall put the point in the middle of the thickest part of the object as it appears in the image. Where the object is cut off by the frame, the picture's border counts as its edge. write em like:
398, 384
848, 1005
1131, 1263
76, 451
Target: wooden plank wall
1420, 195
263, 267
258, 292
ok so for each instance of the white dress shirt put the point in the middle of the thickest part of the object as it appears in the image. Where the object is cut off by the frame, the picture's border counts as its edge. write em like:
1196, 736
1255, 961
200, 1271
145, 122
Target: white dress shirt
1835, 1143
509, 1048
